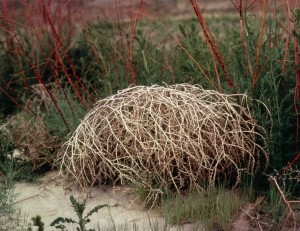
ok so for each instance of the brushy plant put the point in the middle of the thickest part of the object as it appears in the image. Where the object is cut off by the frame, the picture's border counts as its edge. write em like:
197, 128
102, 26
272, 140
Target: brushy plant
35, 52
59, 223
72, 110
10, 172
104, 56
6, 143
124, 137
31, 135
7, 197
195, 46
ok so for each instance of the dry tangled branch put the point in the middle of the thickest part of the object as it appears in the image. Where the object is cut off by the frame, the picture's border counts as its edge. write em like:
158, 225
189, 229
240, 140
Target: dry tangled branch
31, 135
176, 137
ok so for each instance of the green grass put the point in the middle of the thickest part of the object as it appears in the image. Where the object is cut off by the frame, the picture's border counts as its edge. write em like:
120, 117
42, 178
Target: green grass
276, 207
215, 208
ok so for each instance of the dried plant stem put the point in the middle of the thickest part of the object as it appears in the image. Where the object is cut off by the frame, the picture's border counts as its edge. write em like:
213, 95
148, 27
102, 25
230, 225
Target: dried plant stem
288, 203
238, 4
210, 40
133, 29
288, 34
177, 137
258, 45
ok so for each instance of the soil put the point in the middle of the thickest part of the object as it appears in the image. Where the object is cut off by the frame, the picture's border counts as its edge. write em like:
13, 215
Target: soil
49, 198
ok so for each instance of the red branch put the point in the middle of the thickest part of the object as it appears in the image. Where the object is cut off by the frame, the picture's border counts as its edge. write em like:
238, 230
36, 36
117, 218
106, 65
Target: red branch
133, 29
58, 39
258, 46
239, 7
210, 40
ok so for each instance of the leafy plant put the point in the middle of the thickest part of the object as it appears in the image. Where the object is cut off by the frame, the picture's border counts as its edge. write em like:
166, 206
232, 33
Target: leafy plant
37, 221
79, 208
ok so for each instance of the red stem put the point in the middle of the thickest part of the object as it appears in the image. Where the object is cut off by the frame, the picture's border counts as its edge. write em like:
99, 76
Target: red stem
133, 29
77, 92
125, 67
297, 87
239, 8
211, 41
287, 41
258, 46
296, 158
54, 69
40, 79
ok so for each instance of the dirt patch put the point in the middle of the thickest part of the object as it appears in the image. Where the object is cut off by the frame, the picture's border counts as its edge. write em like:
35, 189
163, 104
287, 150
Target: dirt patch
50, 199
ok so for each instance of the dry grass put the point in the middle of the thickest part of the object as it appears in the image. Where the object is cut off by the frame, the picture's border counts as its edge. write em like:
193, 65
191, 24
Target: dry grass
31, 135
176, 137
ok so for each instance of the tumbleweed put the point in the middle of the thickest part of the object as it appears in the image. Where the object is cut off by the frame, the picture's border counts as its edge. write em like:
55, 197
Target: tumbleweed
178, 137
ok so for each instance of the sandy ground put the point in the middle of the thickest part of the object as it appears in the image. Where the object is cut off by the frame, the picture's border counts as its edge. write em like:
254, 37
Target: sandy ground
49, 199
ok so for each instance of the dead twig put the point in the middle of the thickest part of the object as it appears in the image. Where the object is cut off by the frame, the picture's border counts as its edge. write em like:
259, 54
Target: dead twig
288, 205
176, 137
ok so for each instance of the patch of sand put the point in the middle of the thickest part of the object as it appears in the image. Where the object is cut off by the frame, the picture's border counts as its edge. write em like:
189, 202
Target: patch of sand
50, 199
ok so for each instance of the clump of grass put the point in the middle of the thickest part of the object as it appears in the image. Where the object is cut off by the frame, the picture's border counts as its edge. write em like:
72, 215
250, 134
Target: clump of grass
275, 207
215, 207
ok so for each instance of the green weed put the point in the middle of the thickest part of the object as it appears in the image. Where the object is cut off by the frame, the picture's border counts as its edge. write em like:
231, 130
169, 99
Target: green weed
79, 208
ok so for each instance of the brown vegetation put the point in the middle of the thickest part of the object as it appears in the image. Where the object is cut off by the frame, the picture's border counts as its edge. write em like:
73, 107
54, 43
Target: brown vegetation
177, 137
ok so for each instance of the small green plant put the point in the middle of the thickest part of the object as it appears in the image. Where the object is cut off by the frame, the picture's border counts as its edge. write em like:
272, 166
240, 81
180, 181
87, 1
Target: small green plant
10, 172
37, 221
79, 208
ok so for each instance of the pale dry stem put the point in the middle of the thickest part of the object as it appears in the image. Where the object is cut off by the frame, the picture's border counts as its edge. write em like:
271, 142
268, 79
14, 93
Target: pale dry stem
176, 137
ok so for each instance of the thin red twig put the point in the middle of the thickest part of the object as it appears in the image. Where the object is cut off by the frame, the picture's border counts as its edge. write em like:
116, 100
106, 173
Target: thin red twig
239, 7
58, 39
209, 38
133, 29
287, 41
258, 46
